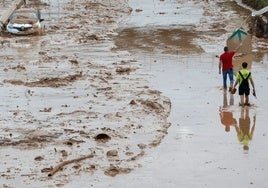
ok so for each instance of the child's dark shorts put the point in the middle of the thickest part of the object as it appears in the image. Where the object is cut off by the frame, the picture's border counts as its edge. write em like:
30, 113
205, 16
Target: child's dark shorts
243, 91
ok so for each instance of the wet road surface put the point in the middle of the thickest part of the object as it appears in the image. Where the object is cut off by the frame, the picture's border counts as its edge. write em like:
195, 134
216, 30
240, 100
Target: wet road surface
198, 151
176, 44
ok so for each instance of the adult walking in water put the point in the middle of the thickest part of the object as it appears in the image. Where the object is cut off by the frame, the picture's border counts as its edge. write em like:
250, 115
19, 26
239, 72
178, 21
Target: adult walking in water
226, 66
243, 77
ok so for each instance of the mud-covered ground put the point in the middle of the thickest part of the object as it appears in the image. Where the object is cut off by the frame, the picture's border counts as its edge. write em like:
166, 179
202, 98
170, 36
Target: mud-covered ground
82, 105
68, 94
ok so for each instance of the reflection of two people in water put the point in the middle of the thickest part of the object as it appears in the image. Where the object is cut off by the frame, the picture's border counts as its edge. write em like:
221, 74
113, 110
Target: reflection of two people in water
244, 130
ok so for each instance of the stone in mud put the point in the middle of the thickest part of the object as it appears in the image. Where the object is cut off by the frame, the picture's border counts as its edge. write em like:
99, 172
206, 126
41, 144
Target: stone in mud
102, 137
112, 153
38, 158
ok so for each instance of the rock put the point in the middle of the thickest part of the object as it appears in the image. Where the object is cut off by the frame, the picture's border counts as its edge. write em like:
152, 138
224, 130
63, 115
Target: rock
38, 158
112, 153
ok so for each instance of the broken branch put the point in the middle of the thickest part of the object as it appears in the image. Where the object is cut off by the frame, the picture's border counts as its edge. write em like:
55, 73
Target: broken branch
64, 163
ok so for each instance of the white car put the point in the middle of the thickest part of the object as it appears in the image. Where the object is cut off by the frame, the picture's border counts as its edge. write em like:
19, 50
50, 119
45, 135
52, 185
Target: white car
25, 21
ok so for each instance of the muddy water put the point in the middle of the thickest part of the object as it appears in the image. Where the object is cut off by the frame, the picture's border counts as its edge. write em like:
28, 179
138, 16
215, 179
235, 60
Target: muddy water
186, 27
163, 27
52, 113
199, 151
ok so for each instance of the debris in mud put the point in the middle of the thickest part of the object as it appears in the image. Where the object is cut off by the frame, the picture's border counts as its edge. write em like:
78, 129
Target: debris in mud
64, 153
142, 146
114, 170
64, 163
155, 143
112, 153
39, 158
34, 141
76, 167
44, 170
129, 153
92, 5
142, 153
46, 110
72, 141
77, 112
47, 82
138, 10
123, 70
132, 102
153, 105
74, 62
102, 137
19, 68
93, 37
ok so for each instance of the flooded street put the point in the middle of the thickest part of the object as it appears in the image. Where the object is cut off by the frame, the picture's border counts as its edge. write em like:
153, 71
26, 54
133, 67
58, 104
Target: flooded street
199, 150
108, 96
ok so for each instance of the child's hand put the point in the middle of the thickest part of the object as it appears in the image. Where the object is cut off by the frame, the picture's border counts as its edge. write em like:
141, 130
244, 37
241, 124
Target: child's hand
254, 93
233, 90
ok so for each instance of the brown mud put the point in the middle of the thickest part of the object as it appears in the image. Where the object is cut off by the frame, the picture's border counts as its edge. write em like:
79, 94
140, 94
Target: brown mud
77, 103
65, 92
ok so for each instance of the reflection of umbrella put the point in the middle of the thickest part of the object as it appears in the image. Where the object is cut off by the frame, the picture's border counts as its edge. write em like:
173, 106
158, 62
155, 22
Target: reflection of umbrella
238, 35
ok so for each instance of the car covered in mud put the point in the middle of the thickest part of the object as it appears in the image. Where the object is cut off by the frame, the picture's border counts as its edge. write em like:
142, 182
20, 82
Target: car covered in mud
25, 21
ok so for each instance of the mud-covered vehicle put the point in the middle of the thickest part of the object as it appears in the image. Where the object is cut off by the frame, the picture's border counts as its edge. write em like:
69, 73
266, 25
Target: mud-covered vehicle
25, 21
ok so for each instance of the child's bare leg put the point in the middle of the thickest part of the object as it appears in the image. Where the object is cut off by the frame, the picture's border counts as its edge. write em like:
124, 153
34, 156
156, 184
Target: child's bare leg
247, 100
242, 100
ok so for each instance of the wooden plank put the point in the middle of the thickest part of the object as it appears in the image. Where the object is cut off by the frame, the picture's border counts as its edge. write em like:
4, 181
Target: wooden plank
4, 18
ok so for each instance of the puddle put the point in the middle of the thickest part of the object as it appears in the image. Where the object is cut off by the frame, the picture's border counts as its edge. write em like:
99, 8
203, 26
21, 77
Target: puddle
162, 26
169, 41
180, 28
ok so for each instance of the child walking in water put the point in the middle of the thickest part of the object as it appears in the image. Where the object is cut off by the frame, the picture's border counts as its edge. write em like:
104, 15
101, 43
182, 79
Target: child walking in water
243, 77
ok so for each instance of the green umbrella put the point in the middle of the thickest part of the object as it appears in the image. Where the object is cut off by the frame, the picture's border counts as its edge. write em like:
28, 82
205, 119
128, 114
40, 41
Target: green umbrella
239, 35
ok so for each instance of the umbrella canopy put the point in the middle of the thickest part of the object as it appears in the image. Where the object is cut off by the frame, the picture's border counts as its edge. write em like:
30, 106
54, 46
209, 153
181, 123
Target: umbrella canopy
244, 52
237, 37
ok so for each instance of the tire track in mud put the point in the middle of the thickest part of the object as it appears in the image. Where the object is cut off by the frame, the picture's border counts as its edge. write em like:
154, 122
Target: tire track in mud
61, 90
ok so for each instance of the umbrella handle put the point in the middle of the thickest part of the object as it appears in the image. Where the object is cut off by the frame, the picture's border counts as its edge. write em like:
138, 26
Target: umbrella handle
245, 21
